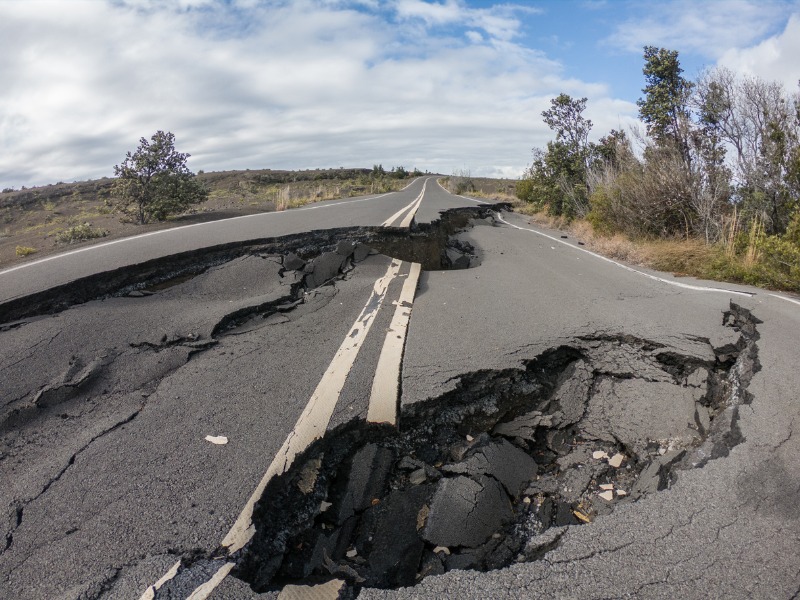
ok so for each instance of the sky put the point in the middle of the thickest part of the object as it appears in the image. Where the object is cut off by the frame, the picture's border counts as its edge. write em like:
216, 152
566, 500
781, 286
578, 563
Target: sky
438, 85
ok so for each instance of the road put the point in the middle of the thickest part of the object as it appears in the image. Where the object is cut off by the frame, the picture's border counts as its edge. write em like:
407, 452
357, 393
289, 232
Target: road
112, 482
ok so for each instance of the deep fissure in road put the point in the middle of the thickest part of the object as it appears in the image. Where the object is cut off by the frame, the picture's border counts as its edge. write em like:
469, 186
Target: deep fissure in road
121, 373
476, 478
434, 245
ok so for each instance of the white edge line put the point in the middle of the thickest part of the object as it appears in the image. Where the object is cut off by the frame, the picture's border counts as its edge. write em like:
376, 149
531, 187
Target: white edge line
792, 300
687, 286
459, 195
171, 229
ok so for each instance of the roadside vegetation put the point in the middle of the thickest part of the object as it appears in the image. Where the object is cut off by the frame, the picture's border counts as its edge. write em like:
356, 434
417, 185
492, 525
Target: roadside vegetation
710, 189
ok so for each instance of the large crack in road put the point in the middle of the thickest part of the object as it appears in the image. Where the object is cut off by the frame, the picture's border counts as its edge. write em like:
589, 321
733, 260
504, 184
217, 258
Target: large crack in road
493, 472
81, 387
484, 476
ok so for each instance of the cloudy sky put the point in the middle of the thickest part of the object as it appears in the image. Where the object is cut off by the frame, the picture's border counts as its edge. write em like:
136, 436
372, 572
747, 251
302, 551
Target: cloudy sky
438, 85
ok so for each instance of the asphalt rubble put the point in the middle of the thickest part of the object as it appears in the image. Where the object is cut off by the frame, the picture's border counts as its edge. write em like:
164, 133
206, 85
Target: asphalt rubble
486, 475
494, 472
302, 266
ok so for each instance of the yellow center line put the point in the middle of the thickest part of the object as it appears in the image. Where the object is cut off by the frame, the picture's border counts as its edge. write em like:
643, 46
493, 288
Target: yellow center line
383, 400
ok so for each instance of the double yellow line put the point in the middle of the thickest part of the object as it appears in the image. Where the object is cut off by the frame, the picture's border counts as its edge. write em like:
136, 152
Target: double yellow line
406, 214
313, 422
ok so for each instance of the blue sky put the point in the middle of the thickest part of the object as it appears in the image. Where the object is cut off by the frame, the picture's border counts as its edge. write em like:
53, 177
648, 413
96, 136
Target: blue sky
433, 84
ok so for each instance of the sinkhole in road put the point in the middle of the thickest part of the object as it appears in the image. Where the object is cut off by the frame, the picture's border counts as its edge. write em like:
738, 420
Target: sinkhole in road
493, 472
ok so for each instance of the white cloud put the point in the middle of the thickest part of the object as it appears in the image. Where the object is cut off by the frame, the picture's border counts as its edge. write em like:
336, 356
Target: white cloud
708, 28
474, 36
774, 59
308, 83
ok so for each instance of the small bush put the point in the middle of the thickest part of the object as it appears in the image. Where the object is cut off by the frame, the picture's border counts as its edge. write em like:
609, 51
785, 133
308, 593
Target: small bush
80, 233
25, 250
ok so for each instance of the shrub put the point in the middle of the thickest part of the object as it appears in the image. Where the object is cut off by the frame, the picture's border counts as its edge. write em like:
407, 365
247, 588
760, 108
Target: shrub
25, 250
80, 233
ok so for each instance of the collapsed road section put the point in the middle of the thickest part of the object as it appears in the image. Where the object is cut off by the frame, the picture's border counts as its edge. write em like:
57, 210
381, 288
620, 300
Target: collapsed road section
81, 362
433, 245
493, 472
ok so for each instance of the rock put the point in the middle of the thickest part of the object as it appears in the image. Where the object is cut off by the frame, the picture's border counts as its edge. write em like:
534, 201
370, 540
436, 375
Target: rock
369, 471
292, 262
345, 248
417, 477
361, 252
388, 536
465, 512
500, 459
616, 460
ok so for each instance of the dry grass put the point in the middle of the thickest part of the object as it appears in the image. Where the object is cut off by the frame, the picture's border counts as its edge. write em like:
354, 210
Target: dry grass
680, 257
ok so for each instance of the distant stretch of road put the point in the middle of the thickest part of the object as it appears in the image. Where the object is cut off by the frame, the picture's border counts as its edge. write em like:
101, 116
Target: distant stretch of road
353, 212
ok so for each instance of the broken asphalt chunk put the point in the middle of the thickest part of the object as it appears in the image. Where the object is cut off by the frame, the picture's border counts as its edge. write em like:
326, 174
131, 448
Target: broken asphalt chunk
499, 459
466, 512
369, 471
331, 590
388, 536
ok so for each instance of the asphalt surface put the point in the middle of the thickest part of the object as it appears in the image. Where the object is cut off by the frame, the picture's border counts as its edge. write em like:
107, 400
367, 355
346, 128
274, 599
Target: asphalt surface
43, 274
108, 478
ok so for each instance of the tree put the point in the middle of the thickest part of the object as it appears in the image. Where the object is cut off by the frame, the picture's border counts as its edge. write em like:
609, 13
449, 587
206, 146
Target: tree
760, 123
557, 177
664, 108
154, 181
565, 118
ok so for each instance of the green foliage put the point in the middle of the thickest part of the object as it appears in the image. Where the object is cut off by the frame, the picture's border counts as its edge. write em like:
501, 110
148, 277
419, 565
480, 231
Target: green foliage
154, 181
80, 233
557, 177
664, 108
565, 117
25, 250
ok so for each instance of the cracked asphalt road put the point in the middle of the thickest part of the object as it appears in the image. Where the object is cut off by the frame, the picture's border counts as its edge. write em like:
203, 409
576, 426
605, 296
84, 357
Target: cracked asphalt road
108, 480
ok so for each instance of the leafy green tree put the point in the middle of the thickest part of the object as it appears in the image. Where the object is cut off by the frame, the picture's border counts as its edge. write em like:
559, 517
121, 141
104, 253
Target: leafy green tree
565, 118
557, 177
154, 182
664, 109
